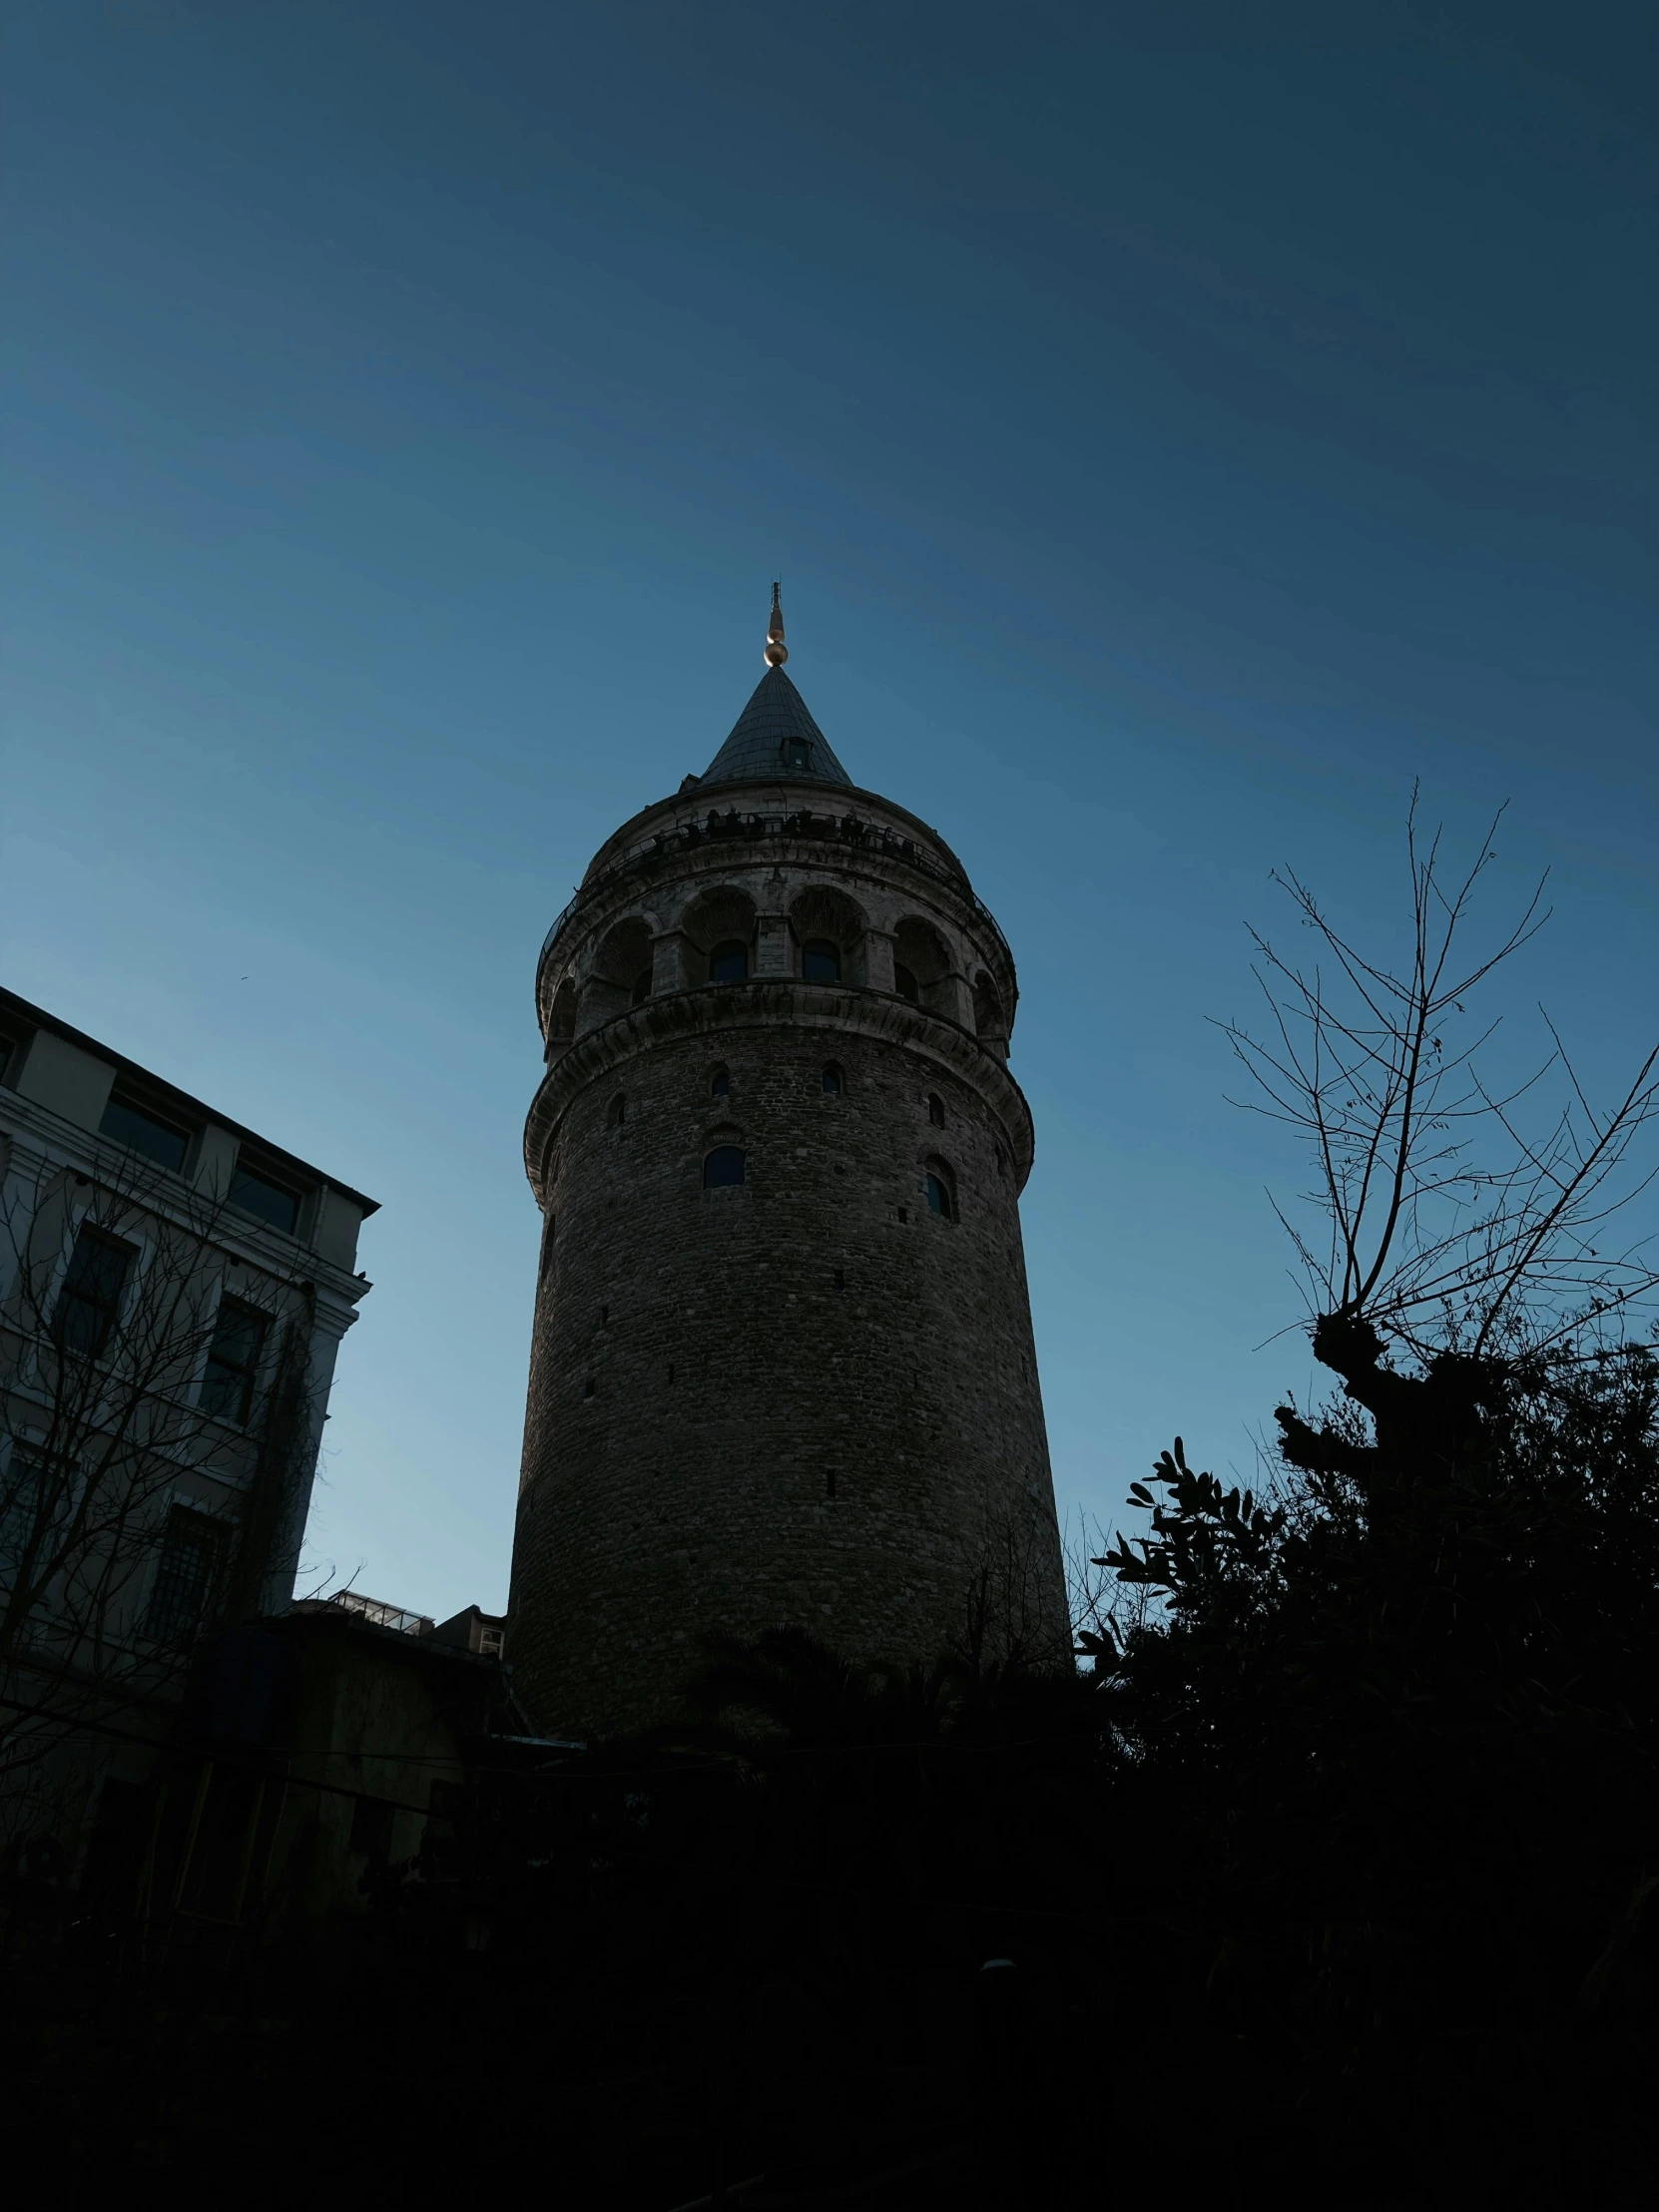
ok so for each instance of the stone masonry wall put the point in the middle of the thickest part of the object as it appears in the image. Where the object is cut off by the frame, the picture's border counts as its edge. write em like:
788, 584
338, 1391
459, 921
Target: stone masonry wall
807, 1400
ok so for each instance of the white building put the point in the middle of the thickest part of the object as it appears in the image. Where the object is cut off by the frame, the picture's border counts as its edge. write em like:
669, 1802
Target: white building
174, 1289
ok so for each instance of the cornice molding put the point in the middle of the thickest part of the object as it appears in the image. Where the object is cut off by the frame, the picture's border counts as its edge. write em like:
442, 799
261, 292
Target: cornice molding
720, 1011
57, 1144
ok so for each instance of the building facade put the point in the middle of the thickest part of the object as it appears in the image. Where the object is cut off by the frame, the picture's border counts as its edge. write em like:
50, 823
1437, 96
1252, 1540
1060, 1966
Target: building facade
173, 1289
782, 1368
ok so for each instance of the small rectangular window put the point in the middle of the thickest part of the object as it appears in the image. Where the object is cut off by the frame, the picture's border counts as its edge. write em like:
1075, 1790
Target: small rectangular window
89, 1304
144, 1132
192, 1552
232, 1360
255, 1193
491, 1642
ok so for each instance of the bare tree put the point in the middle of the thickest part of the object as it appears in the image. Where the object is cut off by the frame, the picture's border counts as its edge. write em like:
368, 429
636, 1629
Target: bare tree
1015, 1612
1460, 1216
157, 1432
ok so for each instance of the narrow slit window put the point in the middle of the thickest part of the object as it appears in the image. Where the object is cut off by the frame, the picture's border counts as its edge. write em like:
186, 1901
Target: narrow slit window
720, 1084
831, 1081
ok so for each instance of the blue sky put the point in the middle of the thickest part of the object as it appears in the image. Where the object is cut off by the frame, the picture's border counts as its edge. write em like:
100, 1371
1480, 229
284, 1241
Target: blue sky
1177, 429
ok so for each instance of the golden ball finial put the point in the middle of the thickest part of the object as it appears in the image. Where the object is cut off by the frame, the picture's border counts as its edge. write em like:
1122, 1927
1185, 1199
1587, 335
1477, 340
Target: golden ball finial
777, 652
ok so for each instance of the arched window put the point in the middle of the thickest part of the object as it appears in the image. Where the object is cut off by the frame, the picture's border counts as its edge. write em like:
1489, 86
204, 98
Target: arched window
720, 1084
618, 1111
723, 1167
936, 1109
831, 1081
642, 987
920, 958
941, 1189
729, 963
563, 1025
820, 962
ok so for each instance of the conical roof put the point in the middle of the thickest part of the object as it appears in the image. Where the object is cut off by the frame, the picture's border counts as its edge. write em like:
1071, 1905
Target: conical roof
774, 736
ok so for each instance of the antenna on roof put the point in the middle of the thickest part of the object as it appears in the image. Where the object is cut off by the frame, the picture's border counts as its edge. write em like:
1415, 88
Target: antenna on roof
777, 652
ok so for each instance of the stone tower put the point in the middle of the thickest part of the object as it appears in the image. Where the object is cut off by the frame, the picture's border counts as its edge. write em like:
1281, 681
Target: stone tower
783, 1367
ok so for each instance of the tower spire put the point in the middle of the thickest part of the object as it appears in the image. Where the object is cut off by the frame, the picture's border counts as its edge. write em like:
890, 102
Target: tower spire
777, 652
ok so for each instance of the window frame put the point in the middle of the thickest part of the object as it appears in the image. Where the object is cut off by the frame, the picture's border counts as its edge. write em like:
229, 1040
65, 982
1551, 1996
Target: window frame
725, 1182
937, 1175
252, 1169
726, 950
87, 1234
122, 1100
183, 1514
21, 1520
246, 1372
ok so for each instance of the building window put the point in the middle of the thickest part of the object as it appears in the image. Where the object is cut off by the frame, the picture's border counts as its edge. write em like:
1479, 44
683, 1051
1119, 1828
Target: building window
27, 1512
942, 1192
371, 1819
831, 1081
723, 1168
232, 1360
798, 752
720, 1084
936, 1109
729, 963
642, 987
904, 983
89, 1304
141, 1130
191, 1549
820, 962
492, 1642
255, 1193
617, 1112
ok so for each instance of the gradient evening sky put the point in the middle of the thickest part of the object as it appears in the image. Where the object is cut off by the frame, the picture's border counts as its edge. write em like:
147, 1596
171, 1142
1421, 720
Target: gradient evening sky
1177, 428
